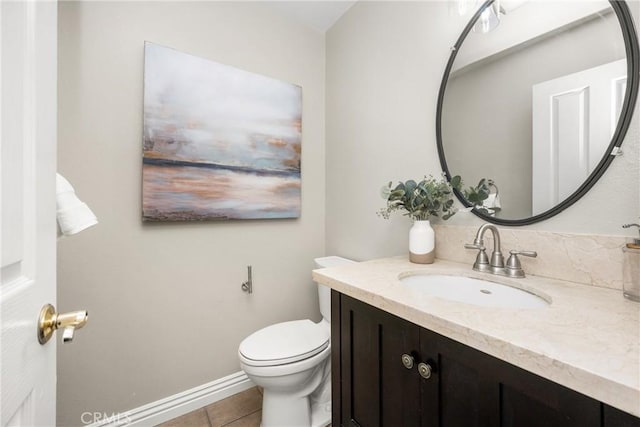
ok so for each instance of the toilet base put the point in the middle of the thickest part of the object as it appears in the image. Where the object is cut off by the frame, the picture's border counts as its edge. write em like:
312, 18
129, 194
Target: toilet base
280, 410
321, 414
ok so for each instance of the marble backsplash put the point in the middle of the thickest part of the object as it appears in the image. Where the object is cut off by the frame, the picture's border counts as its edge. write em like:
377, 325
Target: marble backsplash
581, 258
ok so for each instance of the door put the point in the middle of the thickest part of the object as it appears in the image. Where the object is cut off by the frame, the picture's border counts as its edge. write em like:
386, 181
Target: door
27, 209
574, 118
471, 388
462, 388
379, 384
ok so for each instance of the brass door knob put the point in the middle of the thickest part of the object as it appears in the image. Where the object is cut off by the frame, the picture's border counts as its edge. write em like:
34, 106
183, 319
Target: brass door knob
49, 321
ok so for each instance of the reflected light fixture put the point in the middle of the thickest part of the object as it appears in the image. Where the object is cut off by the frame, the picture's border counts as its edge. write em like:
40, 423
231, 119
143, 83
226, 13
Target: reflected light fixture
489, 18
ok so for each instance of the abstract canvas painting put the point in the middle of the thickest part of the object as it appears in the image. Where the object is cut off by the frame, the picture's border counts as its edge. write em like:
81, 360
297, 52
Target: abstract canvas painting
219, 142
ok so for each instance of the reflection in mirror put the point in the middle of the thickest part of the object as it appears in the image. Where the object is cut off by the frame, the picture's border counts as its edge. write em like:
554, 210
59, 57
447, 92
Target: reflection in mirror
533, 104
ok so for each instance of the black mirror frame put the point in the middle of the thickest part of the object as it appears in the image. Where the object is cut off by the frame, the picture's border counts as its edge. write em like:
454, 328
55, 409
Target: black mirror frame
633, 80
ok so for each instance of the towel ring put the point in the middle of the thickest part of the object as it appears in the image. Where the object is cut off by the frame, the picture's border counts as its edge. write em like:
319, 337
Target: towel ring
491, 183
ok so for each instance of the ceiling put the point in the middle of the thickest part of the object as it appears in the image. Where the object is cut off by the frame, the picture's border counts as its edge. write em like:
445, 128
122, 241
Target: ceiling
319, 15
322, 14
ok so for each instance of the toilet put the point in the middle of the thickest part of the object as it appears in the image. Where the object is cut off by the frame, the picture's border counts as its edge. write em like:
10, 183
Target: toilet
290, 361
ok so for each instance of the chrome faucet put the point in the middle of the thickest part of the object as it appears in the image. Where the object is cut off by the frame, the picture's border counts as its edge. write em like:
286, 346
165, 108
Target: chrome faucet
482, 261
496, 264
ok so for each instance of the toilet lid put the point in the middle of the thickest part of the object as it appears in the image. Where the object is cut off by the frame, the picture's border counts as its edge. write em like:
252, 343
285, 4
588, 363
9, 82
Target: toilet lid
285, 342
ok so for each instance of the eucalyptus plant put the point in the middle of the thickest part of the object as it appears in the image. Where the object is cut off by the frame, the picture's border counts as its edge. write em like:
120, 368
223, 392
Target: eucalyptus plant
421, 200
478, 194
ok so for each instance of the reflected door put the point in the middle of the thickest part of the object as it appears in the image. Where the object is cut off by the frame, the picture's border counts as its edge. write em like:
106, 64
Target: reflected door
27, 210
574, 118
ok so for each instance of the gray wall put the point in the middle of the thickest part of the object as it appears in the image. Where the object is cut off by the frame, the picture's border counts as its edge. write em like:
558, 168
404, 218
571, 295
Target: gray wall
487, 109
166, 309
384, 65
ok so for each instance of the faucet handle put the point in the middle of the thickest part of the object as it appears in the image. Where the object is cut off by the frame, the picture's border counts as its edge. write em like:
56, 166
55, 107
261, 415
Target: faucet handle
474, 246
482, 260
514, 268
532, 254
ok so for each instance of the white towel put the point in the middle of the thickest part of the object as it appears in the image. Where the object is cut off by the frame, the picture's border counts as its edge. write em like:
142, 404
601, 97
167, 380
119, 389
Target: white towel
73, 215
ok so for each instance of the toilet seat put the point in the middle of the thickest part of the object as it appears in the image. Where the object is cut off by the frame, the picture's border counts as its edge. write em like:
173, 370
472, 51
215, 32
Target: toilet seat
284, 343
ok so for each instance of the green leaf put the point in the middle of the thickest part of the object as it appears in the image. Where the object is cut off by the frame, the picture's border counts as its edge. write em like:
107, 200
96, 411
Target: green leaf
475, 198
385, 191
410, 186
456, 182
397, 194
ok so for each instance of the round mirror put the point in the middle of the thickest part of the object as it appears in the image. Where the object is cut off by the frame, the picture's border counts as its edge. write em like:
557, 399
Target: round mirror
535, 101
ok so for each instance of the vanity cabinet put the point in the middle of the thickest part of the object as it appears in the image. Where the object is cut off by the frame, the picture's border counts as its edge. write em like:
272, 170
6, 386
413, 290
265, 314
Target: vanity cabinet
390, 372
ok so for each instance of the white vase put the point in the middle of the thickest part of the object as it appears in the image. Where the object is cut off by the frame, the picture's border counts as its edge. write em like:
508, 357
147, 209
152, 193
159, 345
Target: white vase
422, 243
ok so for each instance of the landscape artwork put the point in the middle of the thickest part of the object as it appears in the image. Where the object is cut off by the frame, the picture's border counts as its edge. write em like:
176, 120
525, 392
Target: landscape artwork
220, 143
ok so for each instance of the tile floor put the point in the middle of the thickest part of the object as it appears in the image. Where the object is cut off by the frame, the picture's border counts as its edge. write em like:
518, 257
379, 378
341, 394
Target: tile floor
239, 410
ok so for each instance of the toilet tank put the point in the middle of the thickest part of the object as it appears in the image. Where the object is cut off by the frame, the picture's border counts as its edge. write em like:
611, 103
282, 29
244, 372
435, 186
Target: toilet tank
324, 292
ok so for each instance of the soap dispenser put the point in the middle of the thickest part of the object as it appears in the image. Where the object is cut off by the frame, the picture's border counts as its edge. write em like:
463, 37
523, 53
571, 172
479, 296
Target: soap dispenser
631, 267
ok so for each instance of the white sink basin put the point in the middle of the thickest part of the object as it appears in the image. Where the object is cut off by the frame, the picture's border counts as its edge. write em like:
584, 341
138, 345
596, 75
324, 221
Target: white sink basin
473, 291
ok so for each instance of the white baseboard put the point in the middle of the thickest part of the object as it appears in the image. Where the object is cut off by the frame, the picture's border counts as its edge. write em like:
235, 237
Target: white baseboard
179, 404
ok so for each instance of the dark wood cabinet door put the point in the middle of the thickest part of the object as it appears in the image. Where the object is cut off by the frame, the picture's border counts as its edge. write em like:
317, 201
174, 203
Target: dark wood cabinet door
527, 400
613, 417
376, 389
475, 389
461, 390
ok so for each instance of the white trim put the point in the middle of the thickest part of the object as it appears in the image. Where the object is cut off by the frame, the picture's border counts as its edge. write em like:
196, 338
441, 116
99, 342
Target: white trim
179, 404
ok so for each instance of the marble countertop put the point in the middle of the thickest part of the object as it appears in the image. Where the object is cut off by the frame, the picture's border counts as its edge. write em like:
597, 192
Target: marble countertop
587, 339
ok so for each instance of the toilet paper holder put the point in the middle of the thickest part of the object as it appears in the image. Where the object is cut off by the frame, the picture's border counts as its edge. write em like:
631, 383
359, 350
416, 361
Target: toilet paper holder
248, 285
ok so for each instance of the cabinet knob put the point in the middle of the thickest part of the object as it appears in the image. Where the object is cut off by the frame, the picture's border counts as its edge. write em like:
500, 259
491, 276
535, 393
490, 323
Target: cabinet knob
425, 370
407, 361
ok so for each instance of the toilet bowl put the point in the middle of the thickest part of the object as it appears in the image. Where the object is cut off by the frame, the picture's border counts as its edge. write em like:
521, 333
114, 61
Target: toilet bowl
290, 361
